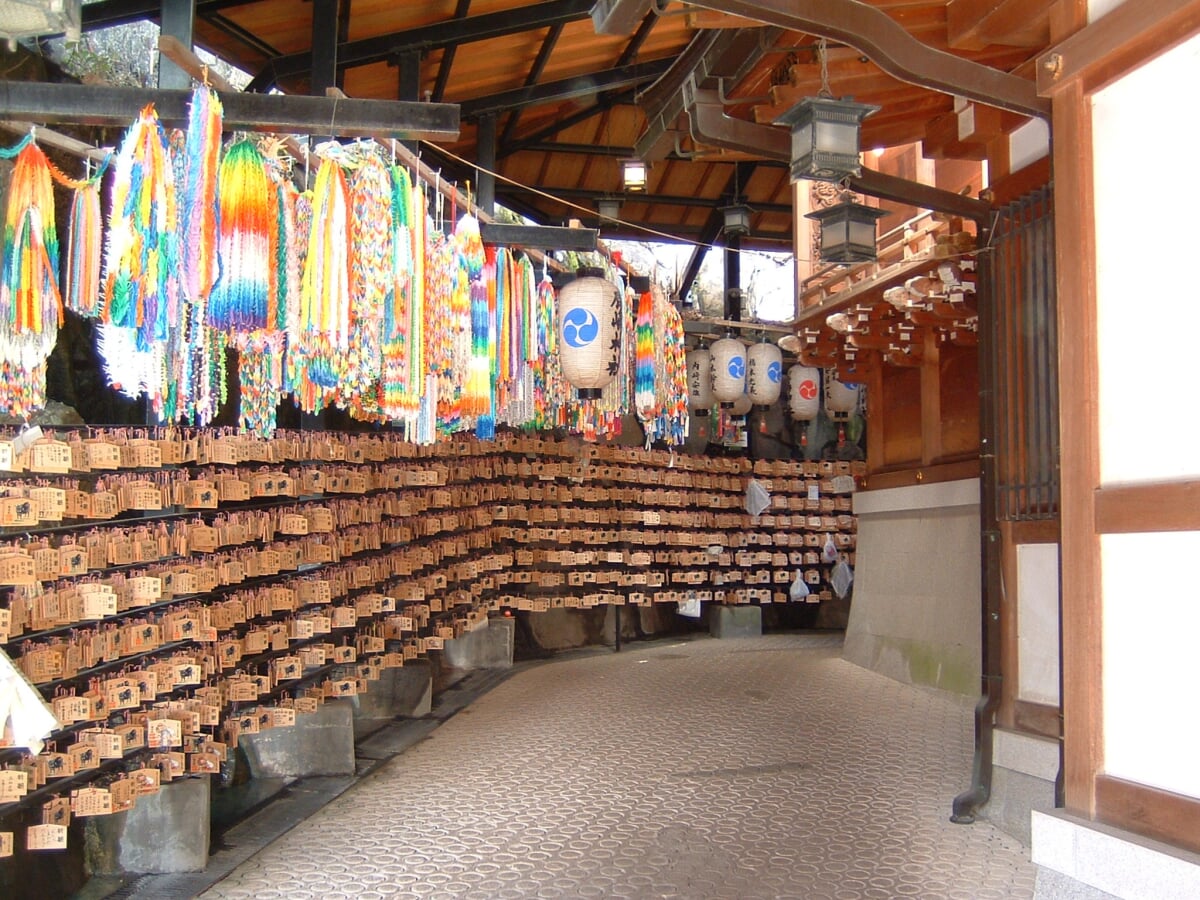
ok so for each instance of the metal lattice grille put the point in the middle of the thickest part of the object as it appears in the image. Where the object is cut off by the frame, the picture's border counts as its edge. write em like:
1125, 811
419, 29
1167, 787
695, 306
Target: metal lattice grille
1023, 287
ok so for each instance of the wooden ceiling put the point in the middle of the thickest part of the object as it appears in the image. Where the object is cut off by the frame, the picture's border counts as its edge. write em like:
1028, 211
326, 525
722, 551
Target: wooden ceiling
569, 103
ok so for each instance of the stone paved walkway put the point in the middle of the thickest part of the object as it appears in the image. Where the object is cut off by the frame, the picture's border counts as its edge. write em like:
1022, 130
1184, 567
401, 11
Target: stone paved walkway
754, 768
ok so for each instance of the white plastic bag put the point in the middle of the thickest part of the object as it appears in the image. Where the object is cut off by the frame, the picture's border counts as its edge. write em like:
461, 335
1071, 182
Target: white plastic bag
757, 498
690, 606
829, 552
841, 578
799, 589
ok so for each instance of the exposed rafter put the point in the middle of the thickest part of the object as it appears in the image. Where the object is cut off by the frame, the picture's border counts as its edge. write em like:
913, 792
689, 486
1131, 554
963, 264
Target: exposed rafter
534, 76
430, 37
604, 103
447, 63
236, 31
566, 89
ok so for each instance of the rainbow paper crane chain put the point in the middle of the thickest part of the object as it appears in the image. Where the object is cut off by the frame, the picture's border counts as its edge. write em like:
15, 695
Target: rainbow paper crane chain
30, 302
140, 257
239, 300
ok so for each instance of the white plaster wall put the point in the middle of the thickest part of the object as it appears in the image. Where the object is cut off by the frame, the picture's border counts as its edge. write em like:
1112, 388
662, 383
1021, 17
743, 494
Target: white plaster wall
1151, 620
915, 615
1098, 8
1037, 623
1147, 317
1028, 144
1148, 428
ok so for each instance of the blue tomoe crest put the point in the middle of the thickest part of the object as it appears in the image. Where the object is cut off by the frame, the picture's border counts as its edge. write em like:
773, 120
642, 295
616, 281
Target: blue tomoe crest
580, 327
774, 373
737, 367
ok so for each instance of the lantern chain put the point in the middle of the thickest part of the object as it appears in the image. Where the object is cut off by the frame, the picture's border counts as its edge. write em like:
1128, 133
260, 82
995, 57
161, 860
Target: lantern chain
823, 57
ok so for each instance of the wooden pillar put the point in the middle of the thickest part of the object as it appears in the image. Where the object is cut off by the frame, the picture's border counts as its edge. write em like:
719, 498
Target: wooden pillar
486, 152
178, 19
409, 82
1078, 368
931, 400
802, 240
324, 46
733, 277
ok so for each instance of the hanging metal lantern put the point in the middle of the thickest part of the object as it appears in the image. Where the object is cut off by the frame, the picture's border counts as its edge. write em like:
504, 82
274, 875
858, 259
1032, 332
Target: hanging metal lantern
764, 378
589, 316
728, 370
848, 232
804, 392
825, 137
841, 400
699, 375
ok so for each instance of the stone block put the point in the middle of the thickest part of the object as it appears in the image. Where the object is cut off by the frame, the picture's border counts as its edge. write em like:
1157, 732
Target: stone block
566, 629
655, 618
164, 833
487, 647
1025, 767
629, 616
735, 621
320, 743
406, 691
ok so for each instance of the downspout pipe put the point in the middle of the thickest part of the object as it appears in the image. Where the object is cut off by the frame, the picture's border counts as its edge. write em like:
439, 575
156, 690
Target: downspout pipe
967, 804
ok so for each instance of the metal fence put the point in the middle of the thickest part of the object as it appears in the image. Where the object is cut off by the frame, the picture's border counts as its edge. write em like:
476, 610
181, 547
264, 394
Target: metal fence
1026, 376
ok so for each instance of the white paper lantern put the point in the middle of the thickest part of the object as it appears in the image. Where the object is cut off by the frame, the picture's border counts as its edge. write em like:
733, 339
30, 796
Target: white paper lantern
589, 315
764, 373
742, 405
804, 392
728, 370
699, 375
841, 400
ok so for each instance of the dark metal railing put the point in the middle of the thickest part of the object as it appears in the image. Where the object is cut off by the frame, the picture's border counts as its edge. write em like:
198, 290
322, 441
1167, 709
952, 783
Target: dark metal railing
1026, 408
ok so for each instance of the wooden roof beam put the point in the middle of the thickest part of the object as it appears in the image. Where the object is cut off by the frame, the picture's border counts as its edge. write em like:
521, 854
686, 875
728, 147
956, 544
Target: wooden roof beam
893, 49
534, 76
107, 13
290, 114
710, 125
974, 24
447, 63
450, 32
566, 89
710, 56
603, 103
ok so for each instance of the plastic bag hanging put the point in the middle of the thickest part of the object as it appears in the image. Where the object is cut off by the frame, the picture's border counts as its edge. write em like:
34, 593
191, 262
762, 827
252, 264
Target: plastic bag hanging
757, 497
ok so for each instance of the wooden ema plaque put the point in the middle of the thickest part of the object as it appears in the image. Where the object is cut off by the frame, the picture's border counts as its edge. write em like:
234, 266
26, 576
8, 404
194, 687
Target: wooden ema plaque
46, 837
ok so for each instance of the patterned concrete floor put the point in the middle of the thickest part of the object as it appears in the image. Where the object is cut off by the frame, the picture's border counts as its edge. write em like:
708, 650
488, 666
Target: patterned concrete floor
751, 768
